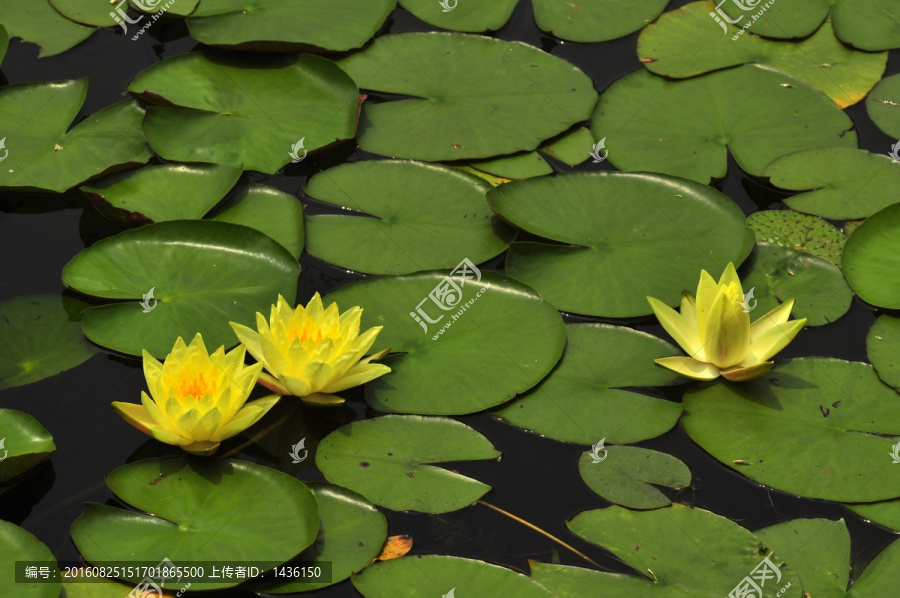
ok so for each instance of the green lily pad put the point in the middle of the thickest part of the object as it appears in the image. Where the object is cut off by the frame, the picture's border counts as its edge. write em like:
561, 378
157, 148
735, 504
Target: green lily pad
473, 17
687, 128
883, 348
846, 183
668, 47
351, 535
407, 217
42, 156
883, 105
682, 551
866, 24
585, 398
289, 26
77, 588
203, 275
871, 259
800, 232
16, 544
4, 42
457, 352
42, 337
387, 459
447, 576
37, 22
777, 274
24, 443
179, 8
571, 148
624, 476
248, 110
656, 234
473, 97
210, 520
517, 166
886, 512
97, 13
160, 193
273, 212
815, 427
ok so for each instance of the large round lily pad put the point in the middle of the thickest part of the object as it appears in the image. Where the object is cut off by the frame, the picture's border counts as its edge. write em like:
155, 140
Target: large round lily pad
351, 534
845, 183
688, 127
682, 551
472, 96
588, 395
41, 338
883, 105
668, 47
624, 476
883, 348
245, 110
24, 443
276, 213
37, 22
34, 118
814, 427
871, 259
448, 576
386, 459
203, 275
211, 518
655, 236
407, 216
288, 25
16, 544
459, 343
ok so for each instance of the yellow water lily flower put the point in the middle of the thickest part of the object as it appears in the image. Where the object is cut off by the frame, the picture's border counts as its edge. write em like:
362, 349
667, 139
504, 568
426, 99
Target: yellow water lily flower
198, 400
715, 330
311, 351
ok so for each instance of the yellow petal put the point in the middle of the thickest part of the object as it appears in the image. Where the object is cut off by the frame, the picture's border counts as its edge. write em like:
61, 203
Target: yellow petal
773, 341
273, 384
688, 312
676, 326
743, 373
729, 276
320, 399
776, 317
202, 448
358, 374
689, 368
707, 290
153, 370
295, 386
727, 339
135, 415
249, 414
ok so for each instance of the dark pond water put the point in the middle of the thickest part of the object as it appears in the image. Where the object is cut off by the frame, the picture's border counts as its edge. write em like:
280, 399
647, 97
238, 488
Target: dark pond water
536, 479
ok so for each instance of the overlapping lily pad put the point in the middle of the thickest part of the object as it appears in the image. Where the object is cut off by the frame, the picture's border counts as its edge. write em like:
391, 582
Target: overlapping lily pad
248, 110
203, 275
883, 348
681, 551
471, 96
210, 520
181, 8
276, 213
387, 459
814, 427
800, 232
37, 22
669, 48
447, 576
96, 13
585, 398
286, 25
473, 17
656, 234
846, 183
883, 105
866, 24
160, 193
687, 128
625, 474
886, 512
41, 338
16, 544
34, 118
871, 259
407, 217
24, 443
459, 352
352, 533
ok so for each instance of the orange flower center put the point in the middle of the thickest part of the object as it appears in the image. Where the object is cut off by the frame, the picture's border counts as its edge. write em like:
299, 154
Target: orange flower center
195, 385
